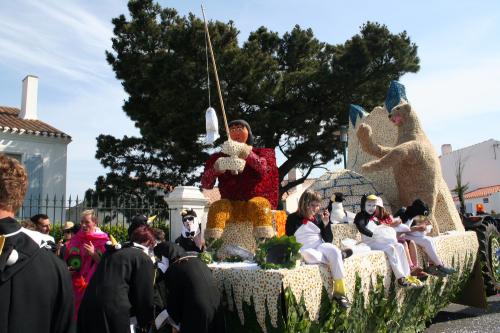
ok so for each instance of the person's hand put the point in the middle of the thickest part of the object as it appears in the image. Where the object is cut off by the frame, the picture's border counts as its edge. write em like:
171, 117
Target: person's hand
89, 247
245, 151
235, 148
396, 222
325, 216
420, 227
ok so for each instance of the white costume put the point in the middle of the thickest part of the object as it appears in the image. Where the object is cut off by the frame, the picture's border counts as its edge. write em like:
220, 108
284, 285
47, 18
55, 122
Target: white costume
426, 242
339, 215
315, 251
384, 239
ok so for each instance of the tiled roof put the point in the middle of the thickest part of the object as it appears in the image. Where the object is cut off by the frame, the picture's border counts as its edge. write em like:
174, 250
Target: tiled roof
481, 192
9, 122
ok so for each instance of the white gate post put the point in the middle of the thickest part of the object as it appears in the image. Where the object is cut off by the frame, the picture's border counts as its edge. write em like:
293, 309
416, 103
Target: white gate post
185, 197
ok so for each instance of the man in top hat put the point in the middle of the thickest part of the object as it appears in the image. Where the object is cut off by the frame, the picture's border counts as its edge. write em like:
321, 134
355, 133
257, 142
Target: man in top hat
248, 194
35, 286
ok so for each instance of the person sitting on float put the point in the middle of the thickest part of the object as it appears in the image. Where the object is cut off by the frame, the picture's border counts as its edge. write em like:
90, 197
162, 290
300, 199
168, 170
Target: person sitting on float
314, 232
248, 183
383, 238
416, 218
385, 218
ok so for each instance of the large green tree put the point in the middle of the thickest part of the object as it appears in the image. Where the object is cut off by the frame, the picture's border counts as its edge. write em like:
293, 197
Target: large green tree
293, 89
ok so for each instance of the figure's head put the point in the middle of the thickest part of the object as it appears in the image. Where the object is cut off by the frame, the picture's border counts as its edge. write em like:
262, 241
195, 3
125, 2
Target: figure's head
136, 222
68, 230
42, 223
309, 203
144, 236
369, 203
400, 113
190, 224
13, 184
88, 221
240, 131
337, 198
417, 208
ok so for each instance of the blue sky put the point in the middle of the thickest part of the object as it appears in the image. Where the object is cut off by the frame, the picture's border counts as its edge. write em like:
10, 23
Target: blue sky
63, 43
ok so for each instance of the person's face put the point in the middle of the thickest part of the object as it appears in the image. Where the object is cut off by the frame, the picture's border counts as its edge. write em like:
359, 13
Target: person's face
67, 234
188, 223
43, 226
371, 206
88, 224
313, 208
238, 133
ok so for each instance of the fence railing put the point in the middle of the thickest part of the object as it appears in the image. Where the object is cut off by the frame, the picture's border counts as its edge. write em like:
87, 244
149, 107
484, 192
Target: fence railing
109, 210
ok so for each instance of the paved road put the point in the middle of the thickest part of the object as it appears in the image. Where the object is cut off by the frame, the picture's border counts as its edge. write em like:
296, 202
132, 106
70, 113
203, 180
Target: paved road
463, 319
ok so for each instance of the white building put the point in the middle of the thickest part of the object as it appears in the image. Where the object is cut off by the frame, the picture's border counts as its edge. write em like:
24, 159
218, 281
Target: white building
481, 171
41, 148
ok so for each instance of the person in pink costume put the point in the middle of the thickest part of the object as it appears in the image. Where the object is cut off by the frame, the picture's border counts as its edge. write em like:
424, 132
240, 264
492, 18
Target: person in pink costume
84, 253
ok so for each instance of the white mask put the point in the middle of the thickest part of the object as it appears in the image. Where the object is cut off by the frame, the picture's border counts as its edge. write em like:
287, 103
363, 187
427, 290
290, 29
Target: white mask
370, 206
190, 228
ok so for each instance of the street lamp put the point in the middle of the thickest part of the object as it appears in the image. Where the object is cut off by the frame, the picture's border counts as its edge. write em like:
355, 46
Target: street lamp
343, 138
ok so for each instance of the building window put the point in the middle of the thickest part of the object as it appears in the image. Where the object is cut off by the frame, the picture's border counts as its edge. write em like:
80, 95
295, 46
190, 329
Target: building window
15, 156
486, 200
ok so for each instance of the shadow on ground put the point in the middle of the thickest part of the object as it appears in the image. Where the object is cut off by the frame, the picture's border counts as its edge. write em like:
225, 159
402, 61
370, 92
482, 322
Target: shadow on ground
459, 318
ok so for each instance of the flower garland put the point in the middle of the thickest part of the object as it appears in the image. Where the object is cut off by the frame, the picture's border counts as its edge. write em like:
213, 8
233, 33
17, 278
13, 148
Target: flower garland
279, 222
292, 254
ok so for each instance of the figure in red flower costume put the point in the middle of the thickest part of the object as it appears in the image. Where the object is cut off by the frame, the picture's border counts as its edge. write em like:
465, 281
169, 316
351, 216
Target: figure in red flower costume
248, 183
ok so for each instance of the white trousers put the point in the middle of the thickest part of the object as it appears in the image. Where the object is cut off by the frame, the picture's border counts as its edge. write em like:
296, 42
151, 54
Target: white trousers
325, 253
397, 257
427, 244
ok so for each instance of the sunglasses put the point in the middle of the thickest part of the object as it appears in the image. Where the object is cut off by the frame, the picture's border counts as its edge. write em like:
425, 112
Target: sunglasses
188, 219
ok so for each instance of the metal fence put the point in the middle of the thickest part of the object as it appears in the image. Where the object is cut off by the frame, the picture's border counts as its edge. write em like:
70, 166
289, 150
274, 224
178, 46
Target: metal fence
109, 210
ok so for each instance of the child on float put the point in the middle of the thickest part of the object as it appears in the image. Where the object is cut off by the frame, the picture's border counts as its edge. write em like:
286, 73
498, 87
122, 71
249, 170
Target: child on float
314, 232
416, 218
384, 239
383, 217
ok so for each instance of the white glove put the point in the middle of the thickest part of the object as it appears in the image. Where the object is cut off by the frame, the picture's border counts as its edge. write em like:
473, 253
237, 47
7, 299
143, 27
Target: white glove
163, 264
235, 148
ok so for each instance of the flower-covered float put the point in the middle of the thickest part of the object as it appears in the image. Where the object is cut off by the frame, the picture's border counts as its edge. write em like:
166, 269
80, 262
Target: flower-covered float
294, 297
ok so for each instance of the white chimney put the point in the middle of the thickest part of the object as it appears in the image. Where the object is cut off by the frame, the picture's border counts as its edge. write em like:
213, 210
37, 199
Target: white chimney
446, 149
29, 98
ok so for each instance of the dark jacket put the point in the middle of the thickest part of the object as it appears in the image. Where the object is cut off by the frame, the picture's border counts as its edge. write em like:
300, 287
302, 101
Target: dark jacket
35, 292
193, 299
188, 244
294, 221
121, 287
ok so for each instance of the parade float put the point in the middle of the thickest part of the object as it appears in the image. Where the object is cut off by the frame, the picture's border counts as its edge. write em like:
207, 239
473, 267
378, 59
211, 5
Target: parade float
391, 158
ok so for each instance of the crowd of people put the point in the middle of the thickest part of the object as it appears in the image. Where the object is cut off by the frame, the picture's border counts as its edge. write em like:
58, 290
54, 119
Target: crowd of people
87, 282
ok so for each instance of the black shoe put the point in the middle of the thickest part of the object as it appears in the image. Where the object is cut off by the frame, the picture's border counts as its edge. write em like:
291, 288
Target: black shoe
342, 301
346, 253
